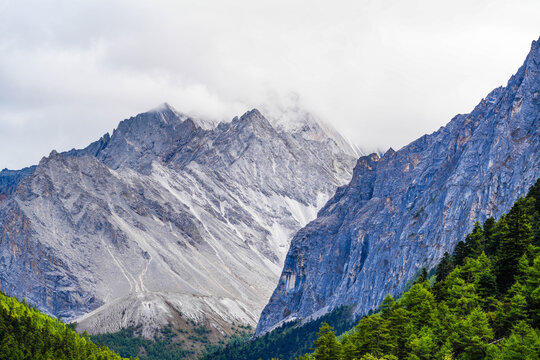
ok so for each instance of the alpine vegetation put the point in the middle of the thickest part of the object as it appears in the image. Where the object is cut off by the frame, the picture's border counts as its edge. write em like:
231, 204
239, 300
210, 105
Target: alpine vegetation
482, 303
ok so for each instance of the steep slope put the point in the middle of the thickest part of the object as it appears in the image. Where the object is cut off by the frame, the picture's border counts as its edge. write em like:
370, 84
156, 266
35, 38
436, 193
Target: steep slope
164, 219
404, 210
25, 333
481, 304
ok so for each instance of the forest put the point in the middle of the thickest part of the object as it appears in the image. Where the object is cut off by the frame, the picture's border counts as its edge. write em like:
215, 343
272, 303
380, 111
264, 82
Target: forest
27, 334
286, 342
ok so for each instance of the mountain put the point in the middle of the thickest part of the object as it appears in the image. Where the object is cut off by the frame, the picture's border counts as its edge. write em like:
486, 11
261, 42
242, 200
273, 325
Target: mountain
482, 302
167, 219
404, 210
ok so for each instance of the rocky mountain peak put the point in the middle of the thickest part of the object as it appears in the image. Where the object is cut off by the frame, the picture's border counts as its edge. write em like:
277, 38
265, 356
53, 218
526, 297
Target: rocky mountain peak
53, 156
533, 59
252, 120
389, 153
164, 108
163, 217
252, 114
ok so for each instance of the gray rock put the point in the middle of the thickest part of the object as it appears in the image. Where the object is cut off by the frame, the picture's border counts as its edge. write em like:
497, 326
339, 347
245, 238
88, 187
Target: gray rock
165, 217
403, 210
9, 179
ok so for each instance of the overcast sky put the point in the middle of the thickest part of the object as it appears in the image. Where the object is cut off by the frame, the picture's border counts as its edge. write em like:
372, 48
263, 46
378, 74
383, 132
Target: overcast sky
381, 72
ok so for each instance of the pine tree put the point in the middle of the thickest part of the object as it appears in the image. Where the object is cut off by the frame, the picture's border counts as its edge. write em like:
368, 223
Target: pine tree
327, 346
423, 275
420, 302
401, 329
444, 268
489, 235
348, 349
387, 307
516, 235
487, 290
422, 345
471, 335
534, 193
523, 343
373, 336
460, 253
475, 241
531, 282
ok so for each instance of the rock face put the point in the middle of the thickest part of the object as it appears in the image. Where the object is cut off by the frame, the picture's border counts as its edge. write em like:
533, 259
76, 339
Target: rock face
165, 217
9, 179
403, 210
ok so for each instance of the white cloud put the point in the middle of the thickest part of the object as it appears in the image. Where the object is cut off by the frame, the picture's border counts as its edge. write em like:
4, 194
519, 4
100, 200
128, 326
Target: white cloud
383, 72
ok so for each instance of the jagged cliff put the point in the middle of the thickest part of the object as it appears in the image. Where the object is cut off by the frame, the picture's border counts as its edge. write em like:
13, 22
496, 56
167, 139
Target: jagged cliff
403, 210
164, 218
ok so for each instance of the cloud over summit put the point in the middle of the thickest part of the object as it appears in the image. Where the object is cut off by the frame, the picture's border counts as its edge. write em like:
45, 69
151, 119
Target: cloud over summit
383, 72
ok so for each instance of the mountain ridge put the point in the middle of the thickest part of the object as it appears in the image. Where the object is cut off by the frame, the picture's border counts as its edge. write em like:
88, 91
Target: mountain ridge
403, 210
163, 217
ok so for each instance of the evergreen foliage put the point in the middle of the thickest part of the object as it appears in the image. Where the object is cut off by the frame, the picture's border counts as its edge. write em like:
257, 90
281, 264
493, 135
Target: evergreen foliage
286, 342
328, 347
127, 343
26, 333
485, 303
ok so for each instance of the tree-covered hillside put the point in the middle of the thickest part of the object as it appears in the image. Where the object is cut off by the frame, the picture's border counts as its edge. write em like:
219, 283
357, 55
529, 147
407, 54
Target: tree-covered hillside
26, 333
171, 342
286, 342
484, 302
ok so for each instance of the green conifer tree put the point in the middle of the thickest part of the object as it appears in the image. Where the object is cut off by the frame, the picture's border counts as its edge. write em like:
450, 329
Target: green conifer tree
516, 235
327, 346
460, 253
444, 268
